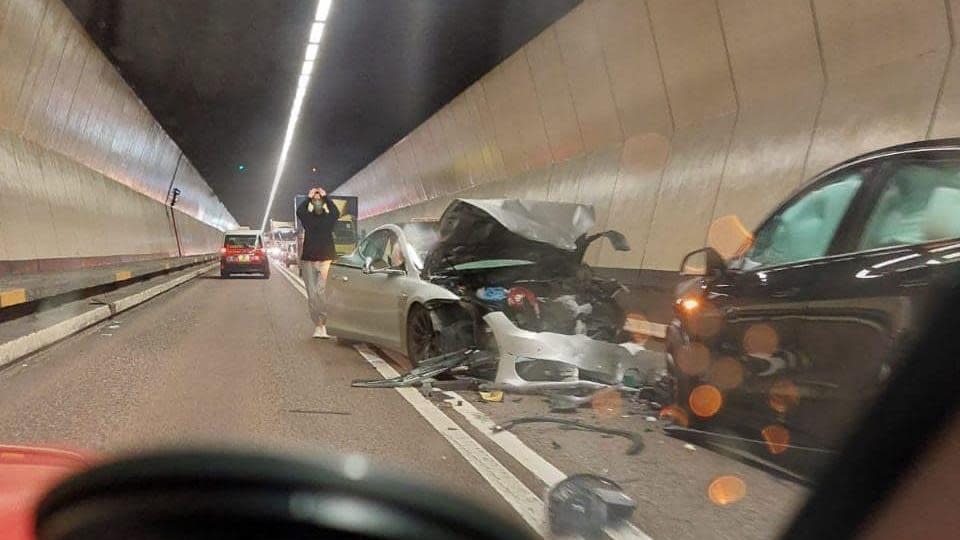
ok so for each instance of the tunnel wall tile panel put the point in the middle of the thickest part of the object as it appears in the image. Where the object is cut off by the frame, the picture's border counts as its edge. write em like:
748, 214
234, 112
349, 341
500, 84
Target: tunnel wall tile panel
72, 125
668, 115
779, 81
947, 115
586, 71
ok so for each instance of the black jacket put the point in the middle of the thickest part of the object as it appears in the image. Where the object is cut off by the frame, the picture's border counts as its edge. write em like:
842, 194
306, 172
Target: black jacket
318, 242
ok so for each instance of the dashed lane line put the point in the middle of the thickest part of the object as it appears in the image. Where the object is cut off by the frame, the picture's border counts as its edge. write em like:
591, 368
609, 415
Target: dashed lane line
545, 471
526, 503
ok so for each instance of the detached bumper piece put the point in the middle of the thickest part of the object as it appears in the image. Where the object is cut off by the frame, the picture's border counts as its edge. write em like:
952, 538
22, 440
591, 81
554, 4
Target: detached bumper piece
542, 362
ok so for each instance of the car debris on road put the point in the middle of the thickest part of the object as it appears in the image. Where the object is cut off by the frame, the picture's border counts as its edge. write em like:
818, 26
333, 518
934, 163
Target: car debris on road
585, 504
633, 437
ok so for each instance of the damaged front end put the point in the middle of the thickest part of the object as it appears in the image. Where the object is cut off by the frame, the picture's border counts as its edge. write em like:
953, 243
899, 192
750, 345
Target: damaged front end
517, 267
535, 362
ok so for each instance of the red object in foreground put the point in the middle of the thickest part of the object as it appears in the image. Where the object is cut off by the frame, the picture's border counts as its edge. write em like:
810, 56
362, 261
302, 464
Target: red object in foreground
26, 473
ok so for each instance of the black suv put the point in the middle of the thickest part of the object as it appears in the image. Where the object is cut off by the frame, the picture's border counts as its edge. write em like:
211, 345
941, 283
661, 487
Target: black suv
779, 348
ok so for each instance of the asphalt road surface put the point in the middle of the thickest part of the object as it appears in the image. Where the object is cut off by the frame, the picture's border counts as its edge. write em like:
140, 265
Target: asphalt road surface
223, 362
231, 362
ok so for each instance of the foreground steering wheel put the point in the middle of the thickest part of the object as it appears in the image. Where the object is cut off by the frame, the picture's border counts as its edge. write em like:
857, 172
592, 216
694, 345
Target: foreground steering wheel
222, 494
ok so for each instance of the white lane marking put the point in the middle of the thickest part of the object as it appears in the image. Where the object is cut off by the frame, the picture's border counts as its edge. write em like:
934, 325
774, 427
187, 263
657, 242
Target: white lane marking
294, 280
526, 503
547, 472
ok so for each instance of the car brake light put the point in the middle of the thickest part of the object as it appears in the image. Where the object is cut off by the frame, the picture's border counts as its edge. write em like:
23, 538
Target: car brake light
223, 251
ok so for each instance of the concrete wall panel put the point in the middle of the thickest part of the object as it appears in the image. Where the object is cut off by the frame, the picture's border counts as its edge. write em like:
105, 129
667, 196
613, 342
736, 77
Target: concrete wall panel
947, 116
884, 62
59, 91
687, 193
635, 197
869, 111
779, 81
554, 94
596, 187
489, 131
564, 179
516, 115
633, 66
587, 76
695, 69
84, 168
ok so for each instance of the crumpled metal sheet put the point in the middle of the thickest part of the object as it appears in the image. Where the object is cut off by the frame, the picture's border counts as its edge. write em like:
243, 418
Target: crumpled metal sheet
555, 223
597, 363
542, 232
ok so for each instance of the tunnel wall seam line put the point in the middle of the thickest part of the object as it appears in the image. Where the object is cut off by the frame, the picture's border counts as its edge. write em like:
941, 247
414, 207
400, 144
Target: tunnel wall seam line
946, 67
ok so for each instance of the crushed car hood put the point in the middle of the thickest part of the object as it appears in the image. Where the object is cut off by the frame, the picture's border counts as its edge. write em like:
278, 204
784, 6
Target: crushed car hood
482, 229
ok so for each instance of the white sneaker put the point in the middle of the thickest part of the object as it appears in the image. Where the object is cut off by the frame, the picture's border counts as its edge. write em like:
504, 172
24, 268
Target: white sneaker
321, 332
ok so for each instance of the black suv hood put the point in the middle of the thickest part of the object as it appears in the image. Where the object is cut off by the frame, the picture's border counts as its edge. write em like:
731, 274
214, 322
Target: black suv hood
545, 233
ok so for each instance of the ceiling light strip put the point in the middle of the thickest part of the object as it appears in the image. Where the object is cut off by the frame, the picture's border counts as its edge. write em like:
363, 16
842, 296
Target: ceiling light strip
309, 60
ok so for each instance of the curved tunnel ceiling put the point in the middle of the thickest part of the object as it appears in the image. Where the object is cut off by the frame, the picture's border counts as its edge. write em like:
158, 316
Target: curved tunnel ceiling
219, 76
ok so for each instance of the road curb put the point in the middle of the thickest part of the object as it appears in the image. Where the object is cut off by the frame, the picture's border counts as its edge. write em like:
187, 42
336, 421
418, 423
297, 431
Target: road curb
15, 349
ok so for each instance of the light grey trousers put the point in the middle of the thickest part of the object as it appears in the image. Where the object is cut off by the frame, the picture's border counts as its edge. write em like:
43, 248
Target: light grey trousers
315, 279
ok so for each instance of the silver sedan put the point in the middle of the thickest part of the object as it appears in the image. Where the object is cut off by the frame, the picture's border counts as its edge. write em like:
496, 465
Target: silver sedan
501, 275
377, 295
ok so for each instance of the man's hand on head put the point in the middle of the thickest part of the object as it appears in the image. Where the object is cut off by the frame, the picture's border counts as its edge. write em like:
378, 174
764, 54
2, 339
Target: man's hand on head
316, 193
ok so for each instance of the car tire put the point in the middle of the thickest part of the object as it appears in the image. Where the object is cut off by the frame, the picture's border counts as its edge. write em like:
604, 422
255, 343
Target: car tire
421, 336
224, 275
266, 275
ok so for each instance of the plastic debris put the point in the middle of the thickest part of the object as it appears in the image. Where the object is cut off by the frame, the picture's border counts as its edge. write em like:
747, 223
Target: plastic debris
494, 396
584, 504
492, 294
690, 447
633, 437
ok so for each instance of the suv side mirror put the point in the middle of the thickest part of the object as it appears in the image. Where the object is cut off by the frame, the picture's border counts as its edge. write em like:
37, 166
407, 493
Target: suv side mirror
703, 262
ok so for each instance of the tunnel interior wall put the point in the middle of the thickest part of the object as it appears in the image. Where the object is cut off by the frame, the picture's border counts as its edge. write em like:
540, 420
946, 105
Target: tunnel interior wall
85, 169
669, 114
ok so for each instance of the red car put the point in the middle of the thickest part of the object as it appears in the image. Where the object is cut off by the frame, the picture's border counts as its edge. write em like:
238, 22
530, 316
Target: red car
243, 253
26, 473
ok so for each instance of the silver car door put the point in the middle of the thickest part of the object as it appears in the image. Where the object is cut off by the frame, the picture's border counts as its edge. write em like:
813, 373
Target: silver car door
377, 294
345, 294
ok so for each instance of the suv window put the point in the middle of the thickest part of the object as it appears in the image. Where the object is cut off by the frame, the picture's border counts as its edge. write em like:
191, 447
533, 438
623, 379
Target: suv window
920, 203
804, 229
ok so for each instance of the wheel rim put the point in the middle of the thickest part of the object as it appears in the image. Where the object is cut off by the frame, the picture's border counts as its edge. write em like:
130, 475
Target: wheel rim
421, 337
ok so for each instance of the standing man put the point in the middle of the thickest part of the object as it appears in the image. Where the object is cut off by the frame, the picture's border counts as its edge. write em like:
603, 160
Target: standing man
319, 216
